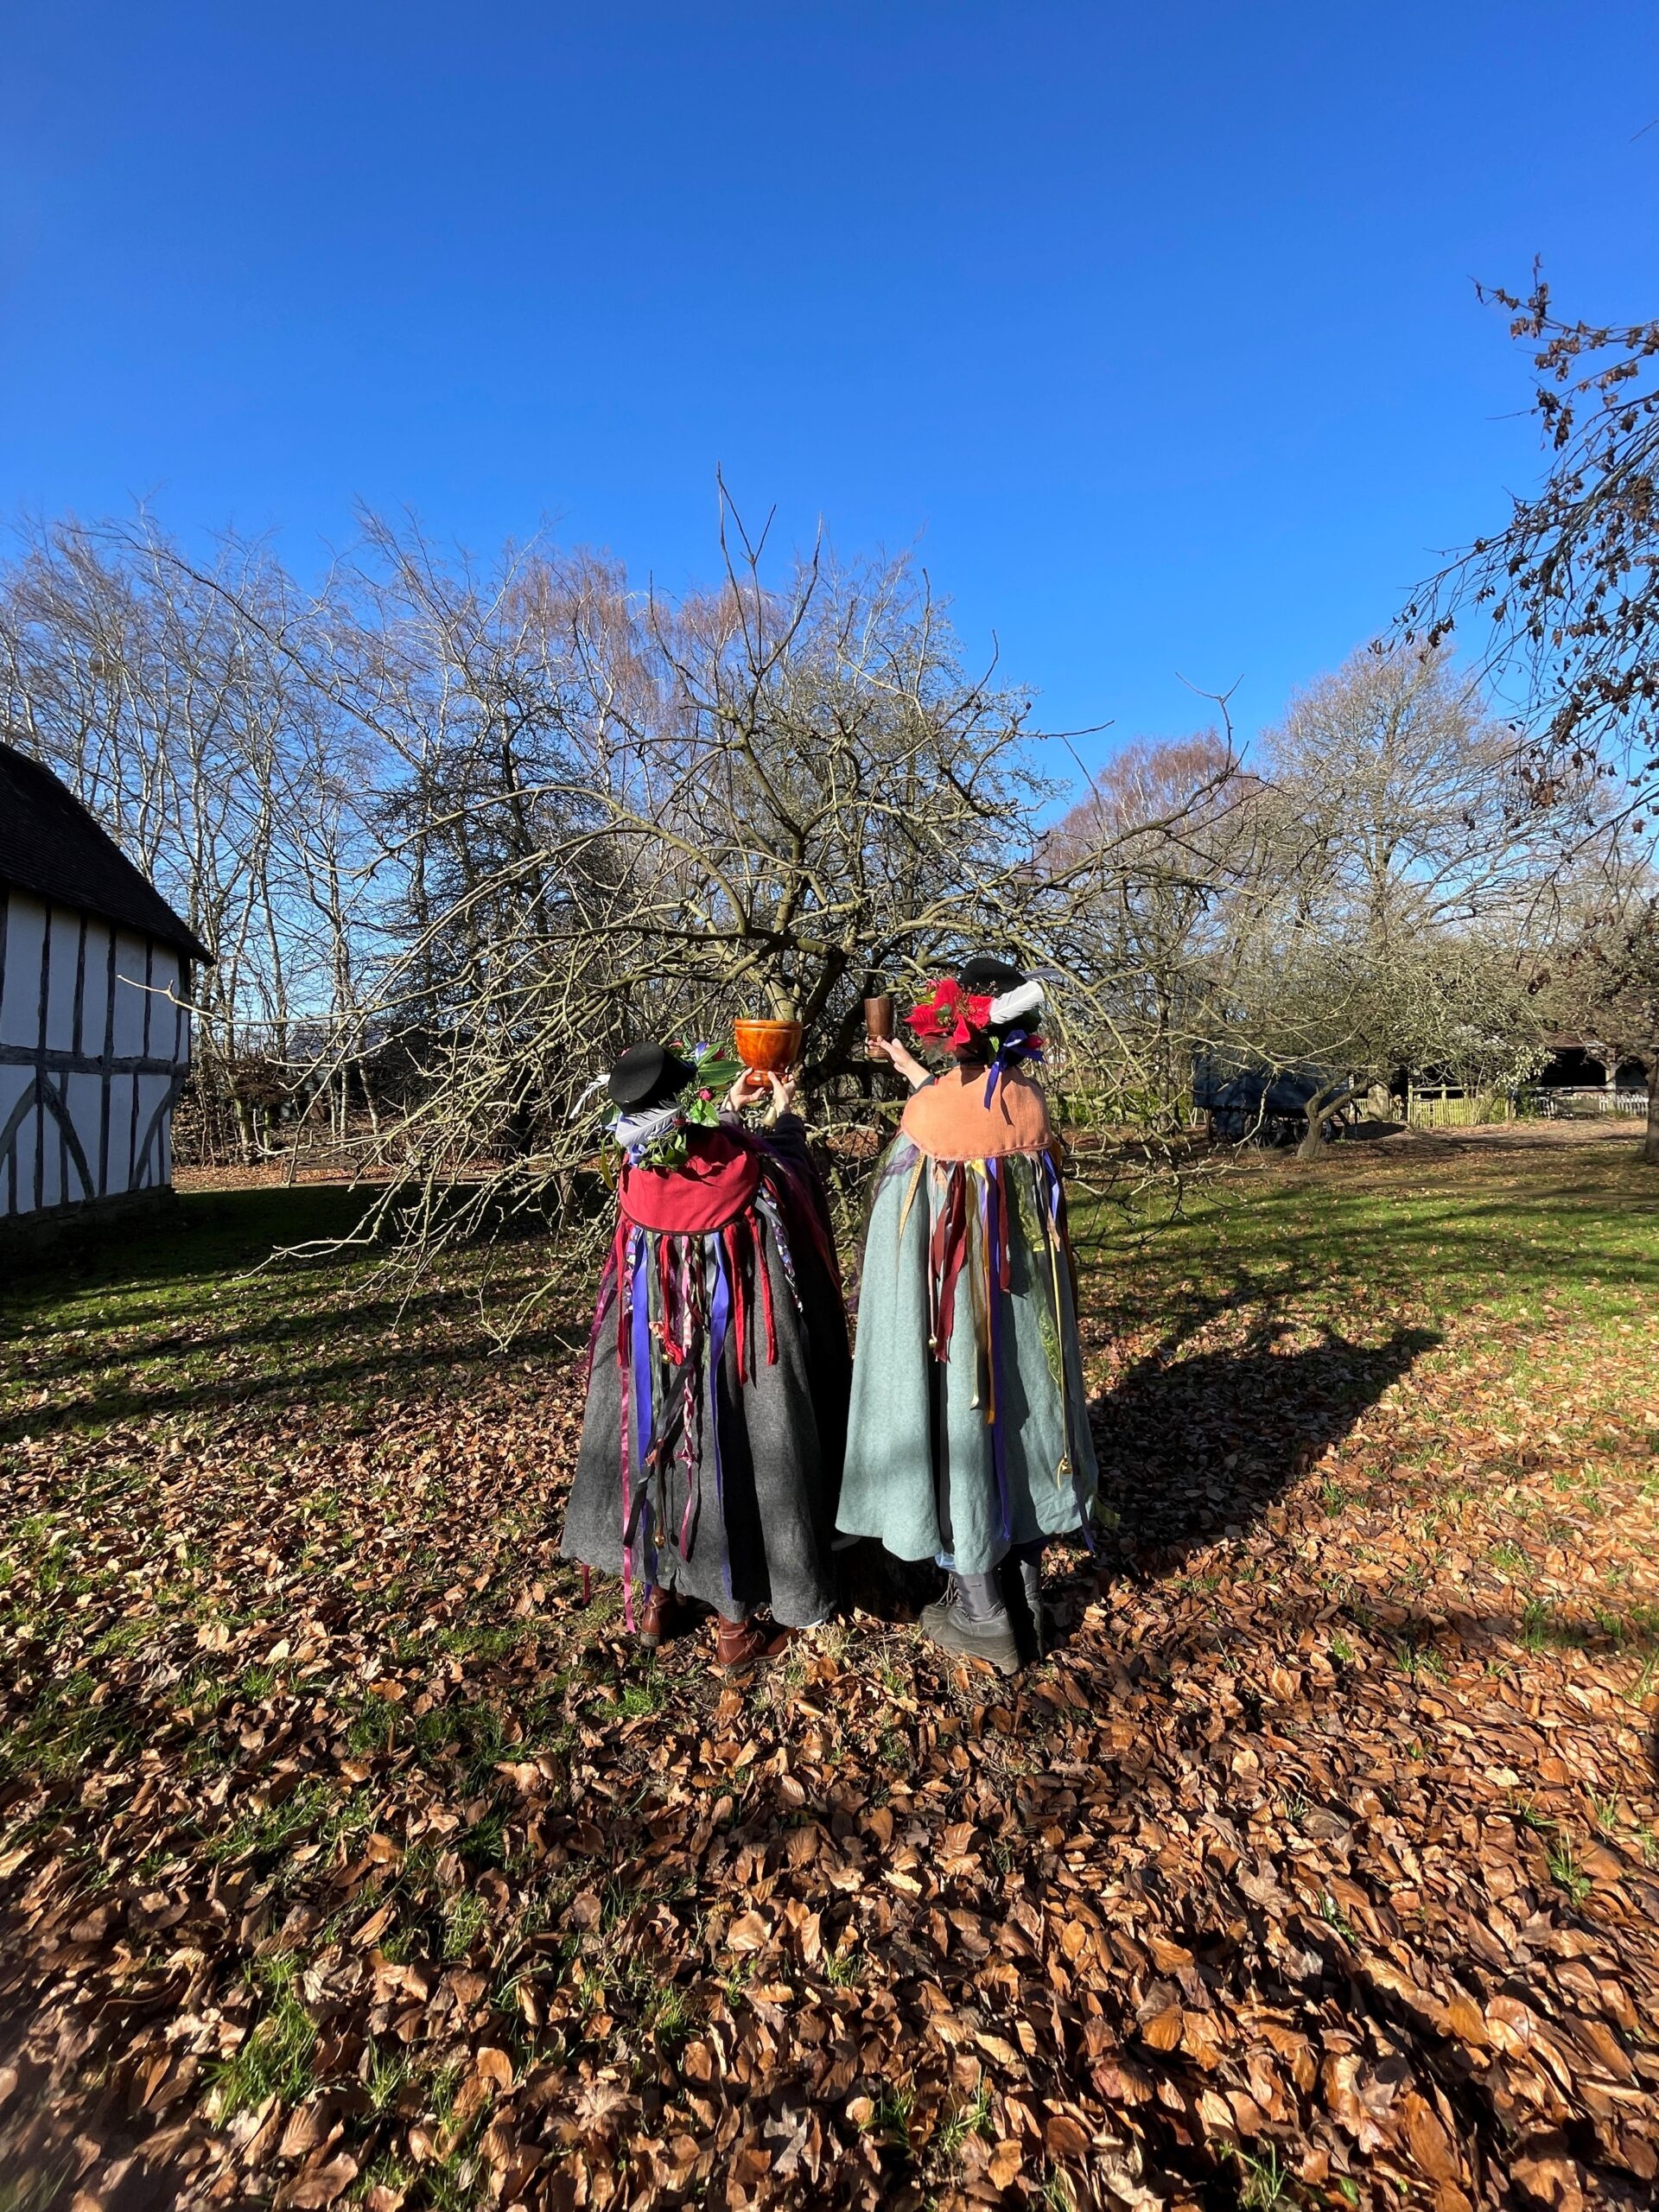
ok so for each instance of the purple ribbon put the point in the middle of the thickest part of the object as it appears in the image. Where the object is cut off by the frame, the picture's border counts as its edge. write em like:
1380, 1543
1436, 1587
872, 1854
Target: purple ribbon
690, 1422
991, 1220
720, 1312
642, 1360
1017, 1046
1052, 1184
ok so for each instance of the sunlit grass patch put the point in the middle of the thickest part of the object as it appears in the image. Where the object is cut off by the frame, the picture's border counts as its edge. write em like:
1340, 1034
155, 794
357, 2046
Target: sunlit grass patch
274, 2060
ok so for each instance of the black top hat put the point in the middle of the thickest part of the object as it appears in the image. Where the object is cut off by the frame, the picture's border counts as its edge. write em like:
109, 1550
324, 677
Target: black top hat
987, 976
648, 1075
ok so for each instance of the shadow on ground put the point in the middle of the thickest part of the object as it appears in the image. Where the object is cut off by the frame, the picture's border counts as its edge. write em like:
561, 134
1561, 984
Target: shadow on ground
1374, 1132
1195, 1447
214, 1317
1190, 1448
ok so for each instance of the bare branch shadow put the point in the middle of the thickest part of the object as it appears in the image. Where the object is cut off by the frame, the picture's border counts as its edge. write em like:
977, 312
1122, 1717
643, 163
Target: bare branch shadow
1193, 1447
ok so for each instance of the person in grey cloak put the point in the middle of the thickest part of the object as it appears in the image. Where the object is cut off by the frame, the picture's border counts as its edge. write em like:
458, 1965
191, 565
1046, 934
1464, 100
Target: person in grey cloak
718, 1367
968, 1435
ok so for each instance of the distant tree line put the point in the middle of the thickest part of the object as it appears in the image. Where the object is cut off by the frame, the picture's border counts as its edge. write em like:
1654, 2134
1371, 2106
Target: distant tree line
456, 832
1560, 608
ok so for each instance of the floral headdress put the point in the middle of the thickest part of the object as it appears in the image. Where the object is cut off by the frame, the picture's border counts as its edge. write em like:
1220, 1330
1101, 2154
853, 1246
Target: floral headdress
656, 1135
956, 1016
951, 1016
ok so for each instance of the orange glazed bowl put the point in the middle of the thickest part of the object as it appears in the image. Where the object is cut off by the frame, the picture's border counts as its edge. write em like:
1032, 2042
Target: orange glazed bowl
767, 1048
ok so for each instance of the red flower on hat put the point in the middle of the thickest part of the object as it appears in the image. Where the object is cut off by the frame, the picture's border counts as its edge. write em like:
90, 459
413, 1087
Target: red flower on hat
951, 1016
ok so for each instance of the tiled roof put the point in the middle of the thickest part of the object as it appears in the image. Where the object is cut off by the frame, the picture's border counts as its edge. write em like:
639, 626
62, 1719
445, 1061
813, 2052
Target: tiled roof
51, 846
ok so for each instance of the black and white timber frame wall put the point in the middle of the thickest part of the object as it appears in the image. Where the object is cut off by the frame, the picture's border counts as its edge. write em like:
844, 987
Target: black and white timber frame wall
94, 985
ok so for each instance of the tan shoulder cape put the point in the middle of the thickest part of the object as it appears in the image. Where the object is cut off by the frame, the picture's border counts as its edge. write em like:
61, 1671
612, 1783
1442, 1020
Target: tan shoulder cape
949, 1119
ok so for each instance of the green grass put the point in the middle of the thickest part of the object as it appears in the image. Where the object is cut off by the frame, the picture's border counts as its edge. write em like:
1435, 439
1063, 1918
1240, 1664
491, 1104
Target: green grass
890, 2123
1332, 1914
1420, 1659
671, 2017
465, 1918
1531, 1815
1505, 1300
971, 2116
1568, 1234
264, 1832
189, 1319
1565, 1872
384, 2077
1265, 2184
43, 2191
648, 1692
274, 2060
845, 1968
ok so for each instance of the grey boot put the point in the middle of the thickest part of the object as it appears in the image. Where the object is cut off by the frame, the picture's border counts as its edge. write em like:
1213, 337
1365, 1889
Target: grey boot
1022, 1580
971, 1618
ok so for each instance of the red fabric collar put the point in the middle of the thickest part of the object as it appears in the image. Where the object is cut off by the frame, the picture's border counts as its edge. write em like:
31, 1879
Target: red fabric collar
717, 1181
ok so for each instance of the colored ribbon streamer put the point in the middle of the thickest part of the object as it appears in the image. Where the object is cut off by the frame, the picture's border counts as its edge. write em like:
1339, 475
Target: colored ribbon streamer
643, 1362
999, 1455
1019, 1045
950, 1250
720, 1308
623, 1392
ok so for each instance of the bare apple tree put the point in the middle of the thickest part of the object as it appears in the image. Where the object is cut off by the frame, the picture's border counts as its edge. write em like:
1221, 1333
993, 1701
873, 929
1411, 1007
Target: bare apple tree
605, 815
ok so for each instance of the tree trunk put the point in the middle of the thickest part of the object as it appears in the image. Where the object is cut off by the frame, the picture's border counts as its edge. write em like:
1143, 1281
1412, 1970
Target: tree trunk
1650, 1149
1320, 1108
244, 1126
368, 1099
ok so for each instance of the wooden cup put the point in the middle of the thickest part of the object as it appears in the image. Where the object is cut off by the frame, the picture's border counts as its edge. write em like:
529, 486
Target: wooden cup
767, 1048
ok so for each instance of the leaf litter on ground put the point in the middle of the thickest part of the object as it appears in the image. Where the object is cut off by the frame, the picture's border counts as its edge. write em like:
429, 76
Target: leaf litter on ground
348, 1858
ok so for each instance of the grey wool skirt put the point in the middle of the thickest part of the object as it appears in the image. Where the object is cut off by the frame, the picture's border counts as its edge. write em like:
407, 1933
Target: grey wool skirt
715, 1422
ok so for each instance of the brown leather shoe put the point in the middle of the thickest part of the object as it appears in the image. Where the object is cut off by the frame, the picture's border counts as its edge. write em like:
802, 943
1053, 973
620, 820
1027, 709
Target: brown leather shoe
659, 1620
740, 1642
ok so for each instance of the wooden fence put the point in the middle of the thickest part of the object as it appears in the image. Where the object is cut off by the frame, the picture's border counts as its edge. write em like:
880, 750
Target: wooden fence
1458, 1109
1445, 1108
1557, 1099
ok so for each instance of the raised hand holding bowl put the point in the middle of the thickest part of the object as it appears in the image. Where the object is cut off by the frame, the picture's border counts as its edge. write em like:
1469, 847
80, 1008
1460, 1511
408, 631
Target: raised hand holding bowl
767, 1048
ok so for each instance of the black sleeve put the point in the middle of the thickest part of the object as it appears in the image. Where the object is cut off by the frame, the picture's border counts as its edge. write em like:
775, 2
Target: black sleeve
787, 1138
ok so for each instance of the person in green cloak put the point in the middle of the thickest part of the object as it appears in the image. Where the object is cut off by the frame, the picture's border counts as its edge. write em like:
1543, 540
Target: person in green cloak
968, 1438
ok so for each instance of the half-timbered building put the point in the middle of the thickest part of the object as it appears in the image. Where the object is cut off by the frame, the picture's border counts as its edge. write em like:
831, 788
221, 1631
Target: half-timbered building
95, 973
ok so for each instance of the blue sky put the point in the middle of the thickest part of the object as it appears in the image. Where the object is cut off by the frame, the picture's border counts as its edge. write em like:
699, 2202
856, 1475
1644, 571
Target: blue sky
1153, 328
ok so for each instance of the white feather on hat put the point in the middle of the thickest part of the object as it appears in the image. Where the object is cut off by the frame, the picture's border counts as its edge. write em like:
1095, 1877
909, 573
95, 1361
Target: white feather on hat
1026, 998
